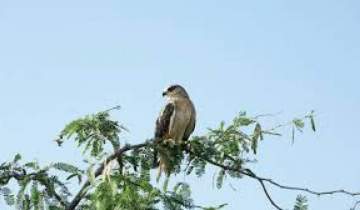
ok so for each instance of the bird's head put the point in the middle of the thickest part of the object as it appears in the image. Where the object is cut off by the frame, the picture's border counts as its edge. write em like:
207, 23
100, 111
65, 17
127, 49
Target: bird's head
175, 91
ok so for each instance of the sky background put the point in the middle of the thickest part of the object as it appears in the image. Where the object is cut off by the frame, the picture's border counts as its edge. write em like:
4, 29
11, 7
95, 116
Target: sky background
60, 60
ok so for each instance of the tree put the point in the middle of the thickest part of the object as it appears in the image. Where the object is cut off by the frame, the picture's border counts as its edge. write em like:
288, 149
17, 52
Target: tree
118, 175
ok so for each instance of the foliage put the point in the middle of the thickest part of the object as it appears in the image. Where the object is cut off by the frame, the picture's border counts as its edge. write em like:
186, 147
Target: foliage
36, 186
301, 203
123, 179
93, 131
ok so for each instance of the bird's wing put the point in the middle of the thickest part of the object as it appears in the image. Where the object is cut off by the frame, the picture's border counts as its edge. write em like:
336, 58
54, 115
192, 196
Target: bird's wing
163, 121
191, 126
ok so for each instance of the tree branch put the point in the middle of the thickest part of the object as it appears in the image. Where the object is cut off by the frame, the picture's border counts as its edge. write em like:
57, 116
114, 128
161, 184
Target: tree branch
357, 203
319, 193
33, 176
118, 153
244, 171
249, 173
268, 195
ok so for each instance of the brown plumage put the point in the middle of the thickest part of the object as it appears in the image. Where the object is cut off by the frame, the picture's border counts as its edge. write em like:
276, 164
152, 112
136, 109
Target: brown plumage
176, 121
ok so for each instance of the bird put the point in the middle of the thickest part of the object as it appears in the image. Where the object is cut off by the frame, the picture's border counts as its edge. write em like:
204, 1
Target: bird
175, 123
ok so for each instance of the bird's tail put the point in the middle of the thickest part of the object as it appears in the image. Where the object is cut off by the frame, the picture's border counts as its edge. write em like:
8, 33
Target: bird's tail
164, 165
160, 170
169, 157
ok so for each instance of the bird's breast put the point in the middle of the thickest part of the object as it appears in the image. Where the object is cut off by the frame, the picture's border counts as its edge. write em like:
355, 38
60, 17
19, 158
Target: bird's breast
180, 120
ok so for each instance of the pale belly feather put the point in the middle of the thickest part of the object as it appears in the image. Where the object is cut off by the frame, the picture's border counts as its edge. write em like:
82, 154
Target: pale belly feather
179, 121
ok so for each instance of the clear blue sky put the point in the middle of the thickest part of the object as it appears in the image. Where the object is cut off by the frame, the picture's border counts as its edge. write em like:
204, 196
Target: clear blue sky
63, 59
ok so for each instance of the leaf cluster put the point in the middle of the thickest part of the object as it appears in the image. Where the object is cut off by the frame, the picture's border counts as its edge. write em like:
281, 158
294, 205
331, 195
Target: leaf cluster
301, 203
122, 181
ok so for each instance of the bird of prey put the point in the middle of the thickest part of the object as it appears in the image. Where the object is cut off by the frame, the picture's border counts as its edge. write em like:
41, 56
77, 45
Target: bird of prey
176, 121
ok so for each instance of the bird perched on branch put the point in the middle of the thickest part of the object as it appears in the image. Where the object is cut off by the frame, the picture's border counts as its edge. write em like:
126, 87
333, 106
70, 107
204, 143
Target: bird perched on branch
175, 123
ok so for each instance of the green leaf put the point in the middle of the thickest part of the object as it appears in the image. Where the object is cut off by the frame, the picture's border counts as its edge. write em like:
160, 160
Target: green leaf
166, 183
222, 125
91, 175
21, 198
312, 122
55, 208
256, 136
299, 124
67, 168
33, 165
9, 199
26, 202
17, 158
35, 196
79, 177
301, 203
244, 121
215, 208
220, 179
5, 190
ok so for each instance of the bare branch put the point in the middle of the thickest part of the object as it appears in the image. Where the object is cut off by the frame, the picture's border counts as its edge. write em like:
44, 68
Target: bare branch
118, 107
319, 193
249, 173
357, 203
266, 115
268, 195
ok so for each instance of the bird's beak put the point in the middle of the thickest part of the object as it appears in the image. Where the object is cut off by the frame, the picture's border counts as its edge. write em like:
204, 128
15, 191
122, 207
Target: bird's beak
164, 93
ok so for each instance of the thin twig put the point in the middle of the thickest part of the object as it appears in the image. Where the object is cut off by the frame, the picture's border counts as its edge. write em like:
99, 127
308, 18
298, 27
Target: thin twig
357, 203
268, 195
249, 173
118, 107
266, 115
319, 193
